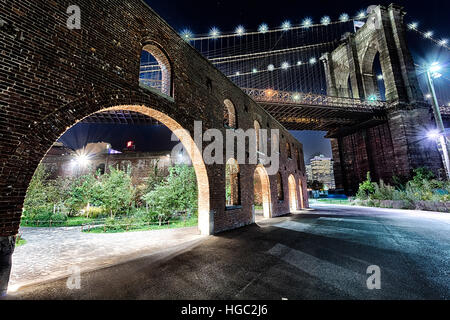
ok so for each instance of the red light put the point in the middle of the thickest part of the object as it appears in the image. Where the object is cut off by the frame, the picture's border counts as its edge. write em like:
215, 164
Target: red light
130, 144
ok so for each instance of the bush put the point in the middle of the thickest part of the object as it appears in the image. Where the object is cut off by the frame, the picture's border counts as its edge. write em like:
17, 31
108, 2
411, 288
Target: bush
95, 212
366, 188
177, 192
422, 187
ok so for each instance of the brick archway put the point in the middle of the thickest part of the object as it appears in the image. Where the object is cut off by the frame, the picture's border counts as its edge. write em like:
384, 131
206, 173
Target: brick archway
261, 172
293, 203
300, 190
191, 148
193, 152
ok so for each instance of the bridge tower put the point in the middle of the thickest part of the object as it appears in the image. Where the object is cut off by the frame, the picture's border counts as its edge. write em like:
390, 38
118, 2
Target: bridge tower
399, 145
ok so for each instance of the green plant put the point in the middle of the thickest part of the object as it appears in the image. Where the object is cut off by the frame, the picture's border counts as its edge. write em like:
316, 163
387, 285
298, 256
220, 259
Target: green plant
366, 188
177, 192
117, 191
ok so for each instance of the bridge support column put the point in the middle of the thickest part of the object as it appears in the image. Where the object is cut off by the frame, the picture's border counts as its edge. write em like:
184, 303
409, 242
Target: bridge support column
411, 147
329, 74
338, 164
7, 245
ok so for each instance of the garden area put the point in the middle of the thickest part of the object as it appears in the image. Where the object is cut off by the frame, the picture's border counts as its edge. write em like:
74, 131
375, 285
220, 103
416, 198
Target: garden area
422, 192
110, 202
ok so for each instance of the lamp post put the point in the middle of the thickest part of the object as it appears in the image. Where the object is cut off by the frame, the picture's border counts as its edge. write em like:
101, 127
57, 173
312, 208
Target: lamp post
445, 143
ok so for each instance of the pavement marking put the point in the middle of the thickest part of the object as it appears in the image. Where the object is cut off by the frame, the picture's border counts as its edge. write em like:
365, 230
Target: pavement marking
323, 270
361, 221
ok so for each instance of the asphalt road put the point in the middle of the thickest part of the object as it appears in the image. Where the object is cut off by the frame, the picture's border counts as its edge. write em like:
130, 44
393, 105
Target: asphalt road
319, 254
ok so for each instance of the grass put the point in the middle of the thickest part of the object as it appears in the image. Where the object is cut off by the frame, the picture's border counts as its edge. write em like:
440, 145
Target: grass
20, 242
331, 201
70, 222
193, 221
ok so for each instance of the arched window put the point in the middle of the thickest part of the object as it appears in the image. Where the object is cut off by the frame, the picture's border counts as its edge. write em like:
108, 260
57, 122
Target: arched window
275, 141
297, 157
229, 115
288, 150
232, 183
155, 70
280, 192
372, 73
257, 127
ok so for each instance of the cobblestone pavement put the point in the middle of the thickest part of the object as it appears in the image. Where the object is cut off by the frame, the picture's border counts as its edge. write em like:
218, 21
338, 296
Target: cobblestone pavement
51, 253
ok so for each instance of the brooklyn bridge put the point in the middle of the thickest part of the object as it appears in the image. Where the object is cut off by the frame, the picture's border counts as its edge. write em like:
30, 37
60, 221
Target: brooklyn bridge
353, 78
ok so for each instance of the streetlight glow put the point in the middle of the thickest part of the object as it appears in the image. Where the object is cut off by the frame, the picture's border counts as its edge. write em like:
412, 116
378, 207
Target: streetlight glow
214, 32
82, 160
325, 20
263, 28
240, 30
428, 34
307, 22
344, 17
433, 135
286, 25
186, 34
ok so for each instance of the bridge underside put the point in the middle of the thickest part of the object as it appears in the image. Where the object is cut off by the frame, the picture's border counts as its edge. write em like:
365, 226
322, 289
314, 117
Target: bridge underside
322, 118
383, 141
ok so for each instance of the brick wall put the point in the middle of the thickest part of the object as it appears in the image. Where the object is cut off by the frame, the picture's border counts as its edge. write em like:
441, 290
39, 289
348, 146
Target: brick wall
52, 77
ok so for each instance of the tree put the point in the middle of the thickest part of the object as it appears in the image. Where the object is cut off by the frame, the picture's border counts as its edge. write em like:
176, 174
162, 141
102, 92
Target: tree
80, 193
117, 191
315, 185
155, 177
36, 201
177, 192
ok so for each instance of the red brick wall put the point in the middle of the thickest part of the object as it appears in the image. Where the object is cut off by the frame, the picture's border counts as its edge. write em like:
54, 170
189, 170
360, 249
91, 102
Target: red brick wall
52, 77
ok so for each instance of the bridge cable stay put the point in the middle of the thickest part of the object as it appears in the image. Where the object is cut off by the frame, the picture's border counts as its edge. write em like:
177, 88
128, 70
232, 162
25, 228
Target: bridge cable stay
283, 59
442, 53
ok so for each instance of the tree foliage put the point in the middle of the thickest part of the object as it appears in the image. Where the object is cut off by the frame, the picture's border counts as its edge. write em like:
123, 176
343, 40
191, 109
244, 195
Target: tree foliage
176, 193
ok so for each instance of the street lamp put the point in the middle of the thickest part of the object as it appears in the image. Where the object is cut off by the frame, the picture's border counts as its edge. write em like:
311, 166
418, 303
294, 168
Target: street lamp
433, 135
82, 160
433, 72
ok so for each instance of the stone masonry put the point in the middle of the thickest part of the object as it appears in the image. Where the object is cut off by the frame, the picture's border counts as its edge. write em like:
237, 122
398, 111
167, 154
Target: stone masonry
52, 77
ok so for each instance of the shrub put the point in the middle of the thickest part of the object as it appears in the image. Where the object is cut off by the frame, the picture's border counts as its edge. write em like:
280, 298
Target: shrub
366, 188
177, 192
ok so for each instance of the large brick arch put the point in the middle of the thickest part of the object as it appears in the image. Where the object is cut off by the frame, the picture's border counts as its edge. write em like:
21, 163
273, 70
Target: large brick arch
54, 77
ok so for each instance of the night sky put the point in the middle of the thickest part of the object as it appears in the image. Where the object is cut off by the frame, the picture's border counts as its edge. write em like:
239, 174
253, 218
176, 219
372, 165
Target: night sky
200, 15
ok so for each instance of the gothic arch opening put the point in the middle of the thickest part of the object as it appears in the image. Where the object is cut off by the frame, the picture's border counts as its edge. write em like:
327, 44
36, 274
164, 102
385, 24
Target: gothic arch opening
280, 188
189, 148
155, 70
300, 189
262, 191
293, 203
373, 75
288, 150
229, 115
257, 128
232, 183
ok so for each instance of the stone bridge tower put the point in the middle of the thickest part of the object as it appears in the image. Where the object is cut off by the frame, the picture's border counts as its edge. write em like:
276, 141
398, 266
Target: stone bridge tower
398, 145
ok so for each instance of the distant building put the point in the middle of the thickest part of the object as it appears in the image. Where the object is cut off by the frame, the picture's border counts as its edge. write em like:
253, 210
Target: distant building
322, 170
309, 175
63, 162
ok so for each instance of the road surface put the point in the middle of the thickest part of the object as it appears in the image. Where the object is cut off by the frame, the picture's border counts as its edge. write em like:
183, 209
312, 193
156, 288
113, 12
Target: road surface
322, 253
